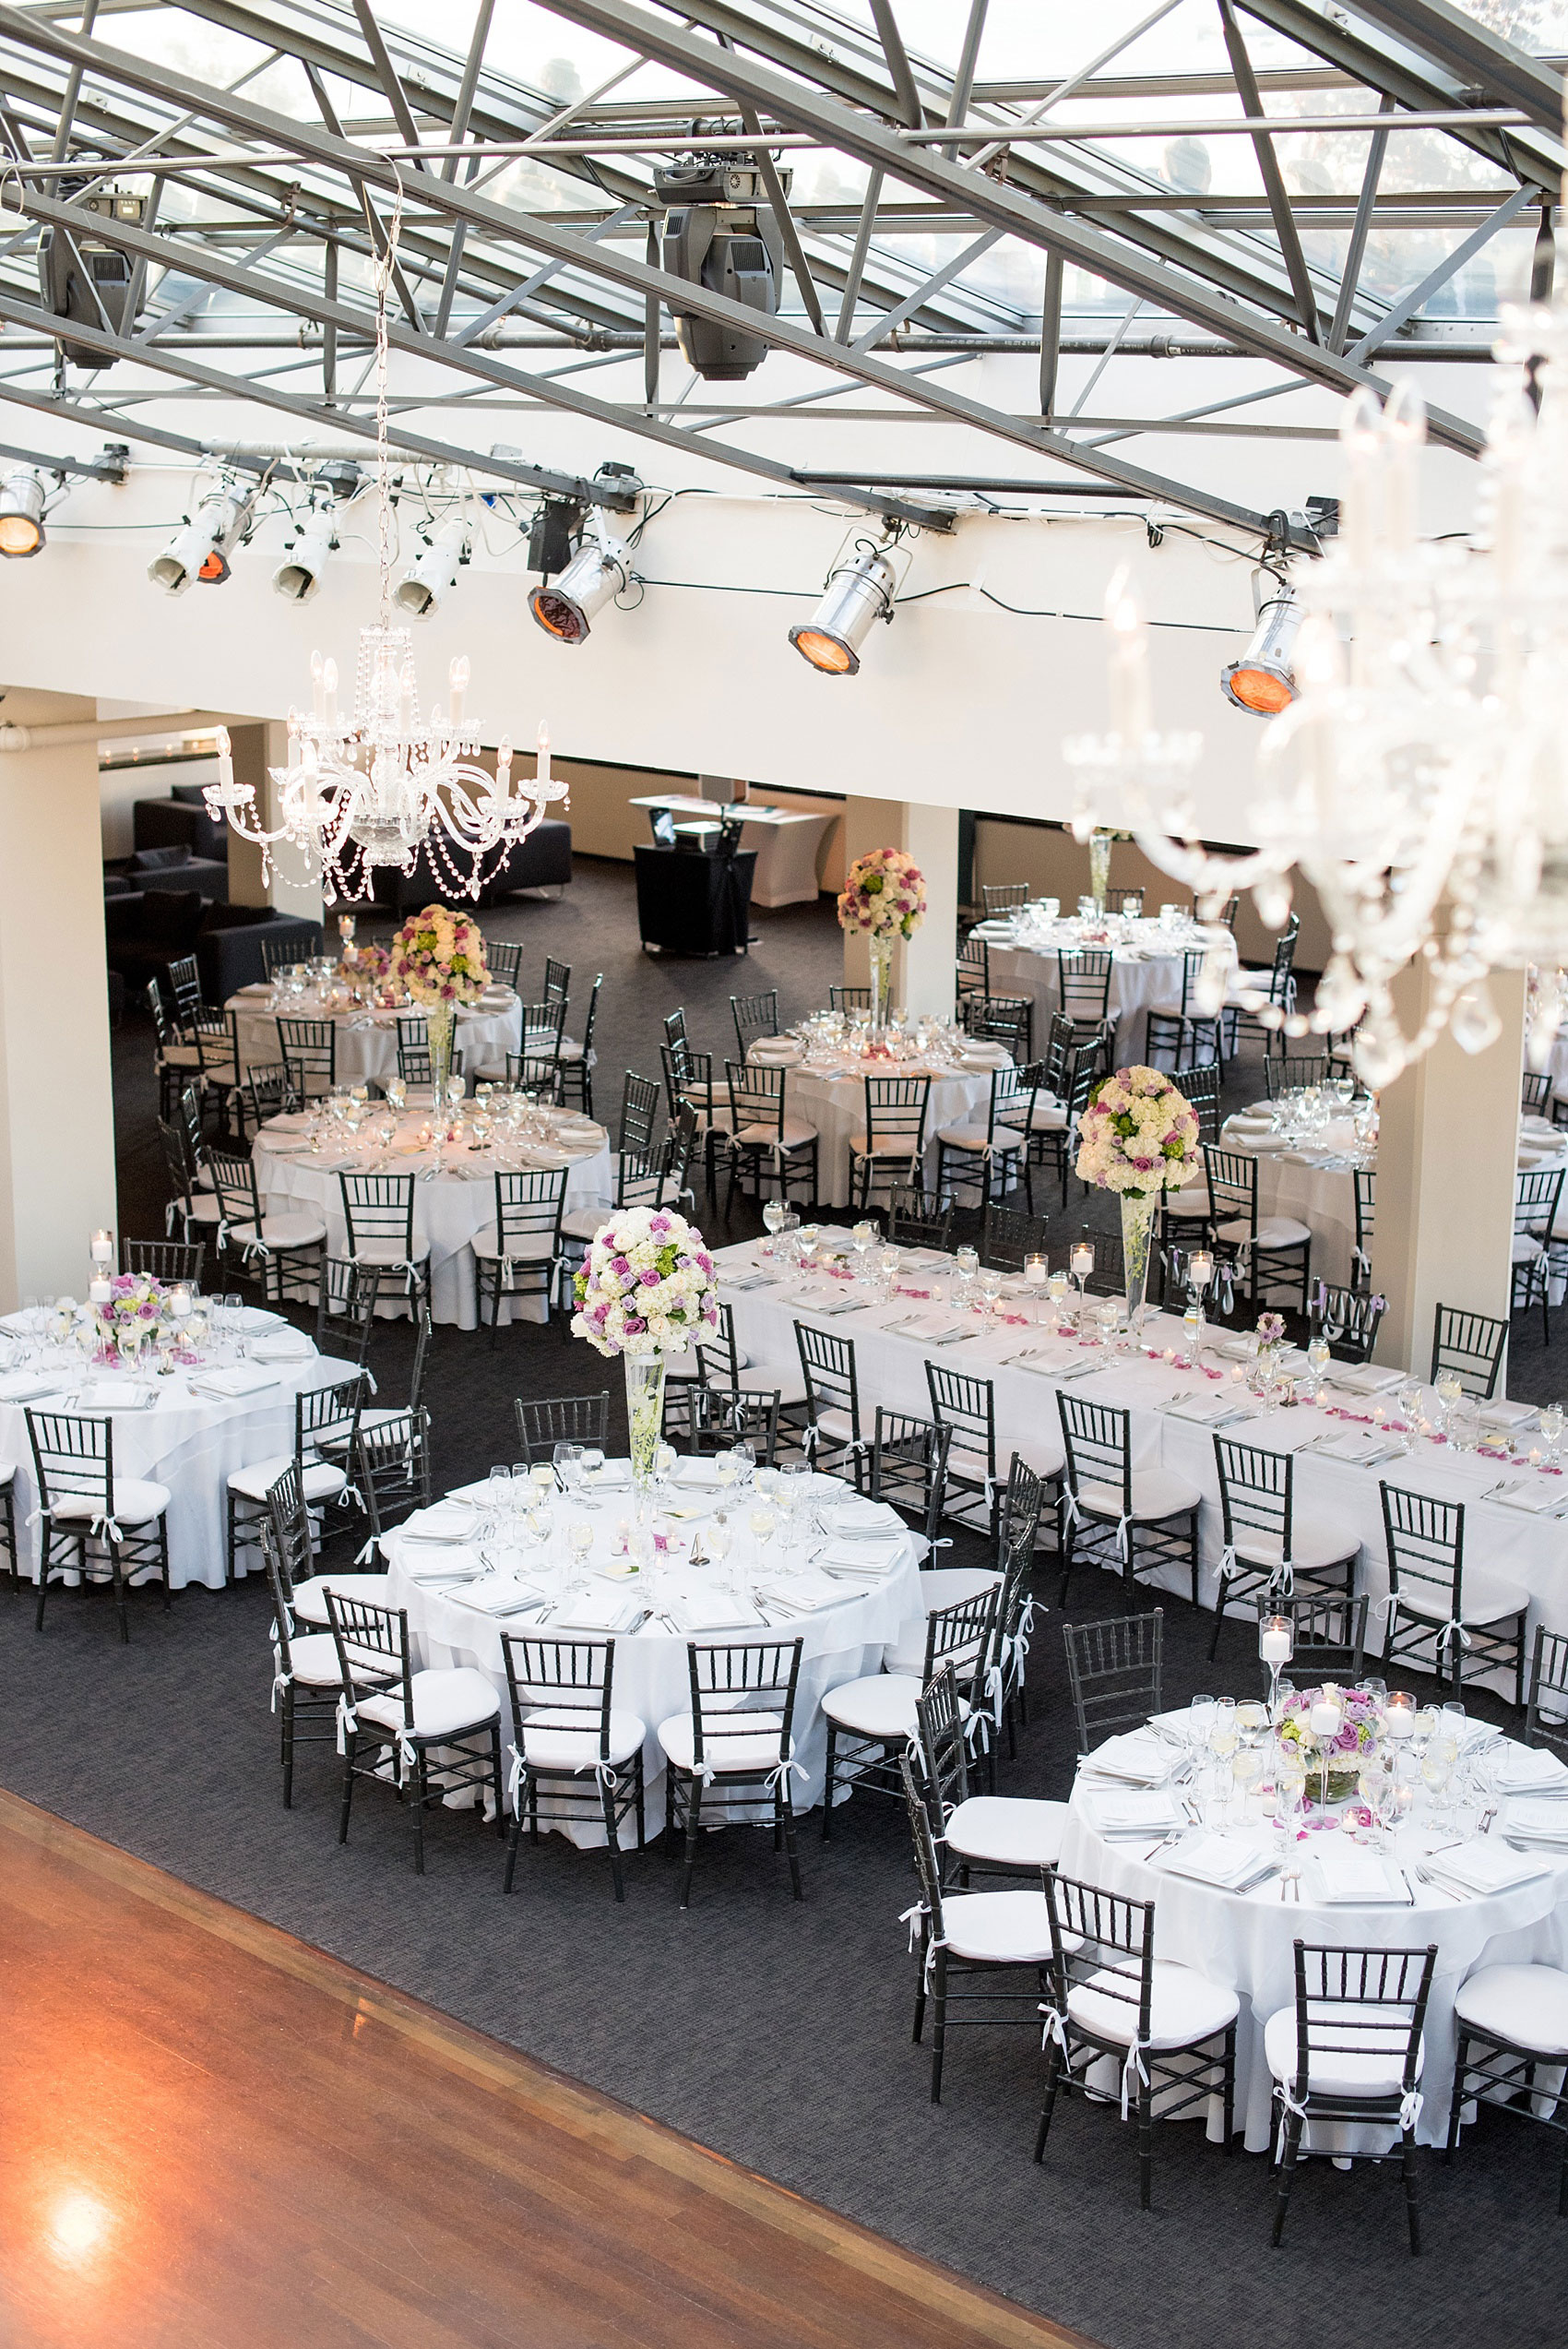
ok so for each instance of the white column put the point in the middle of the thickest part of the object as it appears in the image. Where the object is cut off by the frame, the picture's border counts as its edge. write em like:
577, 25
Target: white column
56, 1096
257, 748
1447, 1154
923, 965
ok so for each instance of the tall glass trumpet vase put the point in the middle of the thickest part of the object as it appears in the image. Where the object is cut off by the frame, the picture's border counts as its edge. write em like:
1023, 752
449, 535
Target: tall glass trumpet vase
881, 983
645, 1418
1099, 867
440, 1022
1138, 1227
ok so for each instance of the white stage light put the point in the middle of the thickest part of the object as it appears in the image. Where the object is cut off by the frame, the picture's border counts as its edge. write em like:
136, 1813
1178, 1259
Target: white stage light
202, 549
598, 572
422, 588
21, 515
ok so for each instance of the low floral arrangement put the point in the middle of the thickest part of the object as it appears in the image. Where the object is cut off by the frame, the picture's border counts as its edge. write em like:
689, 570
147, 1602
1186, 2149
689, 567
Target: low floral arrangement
1138, 1135
138, 1309
1271, 1328
884, 892
372, 962
438, 958
647, 1285
1357, 1733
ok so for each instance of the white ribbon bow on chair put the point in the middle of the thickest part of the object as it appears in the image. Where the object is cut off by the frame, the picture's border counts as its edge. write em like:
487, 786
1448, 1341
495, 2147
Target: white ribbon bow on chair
281, 1680
1055, 2028
1134, 2068
1452, 1631
914, 1918
347, 1720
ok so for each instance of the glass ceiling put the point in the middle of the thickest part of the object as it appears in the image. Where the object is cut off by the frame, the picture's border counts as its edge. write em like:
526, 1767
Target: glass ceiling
1126, 184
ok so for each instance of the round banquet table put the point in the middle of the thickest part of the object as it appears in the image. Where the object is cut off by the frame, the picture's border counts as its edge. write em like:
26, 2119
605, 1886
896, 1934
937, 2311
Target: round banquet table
844, 1638
367, 1041
833, 1099
449, 1209
190, 1441
1316, 1184
1146, 967
1244, 1940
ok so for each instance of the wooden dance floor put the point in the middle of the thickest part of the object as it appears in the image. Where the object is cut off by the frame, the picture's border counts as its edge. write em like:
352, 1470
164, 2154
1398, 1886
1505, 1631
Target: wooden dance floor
212, 2136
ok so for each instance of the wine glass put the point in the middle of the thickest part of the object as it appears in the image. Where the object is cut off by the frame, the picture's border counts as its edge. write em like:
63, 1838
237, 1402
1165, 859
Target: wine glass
1246, 1770
1450, 1387
773, 1214
579, 1547
1553, 1420
991, 1288
764, 1524
1437, 1768
718, 1536
1200, 1720
568, 1464
590, 1468
1289, 1792
864, 1236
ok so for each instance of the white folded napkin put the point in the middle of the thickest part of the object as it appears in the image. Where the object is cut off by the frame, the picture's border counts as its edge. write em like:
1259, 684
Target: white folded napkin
1537, 1822
447, 1521
1140, 1758
864, 1517
932, 1328
1533, 1769
599, 1608
1507, 1414
1364, 1378
1139, 1811
501, 1596
444, 1565
1205, 1411
806, 1591
711, 1610
872, 1559
1537, 1496
115, 1393
1351, 1875
1224, 1861
1484, 1866
26, 1386
287, 1346
697, 1471
1363, 1445
245, 1378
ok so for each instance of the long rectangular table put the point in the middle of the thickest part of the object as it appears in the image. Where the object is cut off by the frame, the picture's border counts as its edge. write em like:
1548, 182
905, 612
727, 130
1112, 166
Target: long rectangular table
892, 1371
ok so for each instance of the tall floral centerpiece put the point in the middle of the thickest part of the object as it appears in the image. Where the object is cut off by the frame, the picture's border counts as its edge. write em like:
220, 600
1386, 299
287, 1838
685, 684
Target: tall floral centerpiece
438, 960
1138, 1137
646, 1292
884, 893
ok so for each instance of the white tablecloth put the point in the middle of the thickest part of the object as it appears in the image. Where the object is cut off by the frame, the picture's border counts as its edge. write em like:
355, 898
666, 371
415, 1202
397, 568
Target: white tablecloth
448, 1212
189, 1443
367, 1042
1147, 970
1506, 1540
1244, 1940
836, 1106
841, 1642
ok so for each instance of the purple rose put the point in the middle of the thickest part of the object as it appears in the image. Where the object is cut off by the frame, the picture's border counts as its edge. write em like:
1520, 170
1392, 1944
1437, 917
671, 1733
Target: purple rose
619, 1264
634, 1325
650, 1279
659, 1223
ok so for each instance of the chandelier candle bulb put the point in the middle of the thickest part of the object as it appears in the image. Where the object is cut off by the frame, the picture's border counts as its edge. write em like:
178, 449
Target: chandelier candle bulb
1131, 711
457, 687
542, 770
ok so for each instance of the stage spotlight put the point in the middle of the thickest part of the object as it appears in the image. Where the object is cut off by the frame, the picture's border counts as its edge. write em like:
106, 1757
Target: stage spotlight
857, 593
599, 570
1264, 680
422, 588
202, 549
21, 515
299, 574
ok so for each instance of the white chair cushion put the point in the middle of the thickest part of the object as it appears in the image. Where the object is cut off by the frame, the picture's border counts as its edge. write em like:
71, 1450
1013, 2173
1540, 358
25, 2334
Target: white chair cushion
726, 1756
949, 1586
557, 1740
181, 1056
837, 1426
885, 1147
974, 1138
1011, 1831
203, 1209
1273, 1232
1157, 1493
389, 1252
796, 1134
136, 1502
1048, 1116
278, 1231
880, 1706
972, 1466
1184, 2010
1340, 2071
446, 1700
1526, 1250
313, 1660
1488, 1598
1316, 1542
1004, 1928
322, 1481
310, 1598
526, 1247
1527, 2006
584, 1223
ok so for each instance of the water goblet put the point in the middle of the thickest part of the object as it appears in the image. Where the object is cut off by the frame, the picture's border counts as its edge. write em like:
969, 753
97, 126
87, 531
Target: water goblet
579, 1548
1246, 1772
592, 1469
773, 1214
1449, 1388
862, 1237
568, 1460
1552, 1421
990, 1284
718, 1536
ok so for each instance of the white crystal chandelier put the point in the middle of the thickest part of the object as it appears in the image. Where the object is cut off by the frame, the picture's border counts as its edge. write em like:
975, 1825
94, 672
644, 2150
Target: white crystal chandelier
1420, 781
374, 786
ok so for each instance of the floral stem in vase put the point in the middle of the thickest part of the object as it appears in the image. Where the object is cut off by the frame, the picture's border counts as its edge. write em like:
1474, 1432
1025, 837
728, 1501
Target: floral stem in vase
645, 1416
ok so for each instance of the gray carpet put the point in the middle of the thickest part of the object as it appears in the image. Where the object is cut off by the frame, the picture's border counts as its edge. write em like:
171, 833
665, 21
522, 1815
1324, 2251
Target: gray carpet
778, 2034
